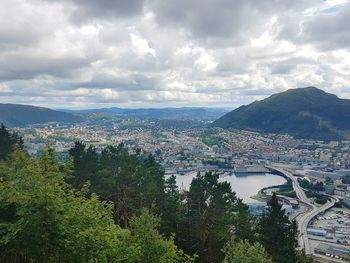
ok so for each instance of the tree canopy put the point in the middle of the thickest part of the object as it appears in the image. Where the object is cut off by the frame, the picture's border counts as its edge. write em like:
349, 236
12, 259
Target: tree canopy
244, 252
8, 140
212, 213
117, 206
43, 219
277, 234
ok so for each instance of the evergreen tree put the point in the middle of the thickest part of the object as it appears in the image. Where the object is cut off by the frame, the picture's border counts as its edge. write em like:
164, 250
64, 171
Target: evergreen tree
130, 181
277, 234
85, 164
118, 182
245, 223
7, 141
42, 219
212, 209
151, 182
173, 209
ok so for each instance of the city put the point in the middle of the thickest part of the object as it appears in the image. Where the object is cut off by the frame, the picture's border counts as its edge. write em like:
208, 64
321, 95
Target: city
185, 151
188, 131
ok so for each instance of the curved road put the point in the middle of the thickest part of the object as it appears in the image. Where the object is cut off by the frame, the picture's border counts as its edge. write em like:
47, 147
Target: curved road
304, 218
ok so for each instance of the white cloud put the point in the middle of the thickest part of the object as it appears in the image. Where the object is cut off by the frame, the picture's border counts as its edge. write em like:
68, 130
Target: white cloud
75, 53
142, 45
205, 62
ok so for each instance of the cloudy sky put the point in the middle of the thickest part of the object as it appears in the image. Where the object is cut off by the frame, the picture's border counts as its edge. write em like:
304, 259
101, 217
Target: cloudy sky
160, 53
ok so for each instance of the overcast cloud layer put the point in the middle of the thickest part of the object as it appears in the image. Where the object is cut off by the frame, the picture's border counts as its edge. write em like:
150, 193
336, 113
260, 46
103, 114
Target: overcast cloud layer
156, 53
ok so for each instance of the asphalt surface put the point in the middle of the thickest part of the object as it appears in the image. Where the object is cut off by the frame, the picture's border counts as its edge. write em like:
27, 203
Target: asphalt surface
304, 218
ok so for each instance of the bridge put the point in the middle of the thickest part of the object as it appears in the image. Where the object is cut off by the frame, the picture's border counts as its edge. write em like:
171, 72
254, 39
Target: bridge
304, 218
251, 169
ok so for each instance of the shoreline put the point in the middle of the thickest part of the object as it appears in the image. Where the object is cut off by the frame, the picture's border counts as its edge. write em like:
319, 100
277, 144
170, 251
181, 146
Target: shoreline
261, 196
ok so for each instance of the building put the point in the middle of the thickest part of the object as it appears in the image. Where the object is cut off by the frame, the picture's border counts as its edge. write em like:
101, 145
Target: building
346, 201
333, 251
329, 189
316, 232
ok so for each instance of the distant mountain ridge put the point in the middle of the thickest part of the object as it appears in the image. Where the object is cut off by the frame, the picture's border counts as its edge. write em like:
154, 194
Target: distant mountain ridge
17, 115
308, 113
185, 113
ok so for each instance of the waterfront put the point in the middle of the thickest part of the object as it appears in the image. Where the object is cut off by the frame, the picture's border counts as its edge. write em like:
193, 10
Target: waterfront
244, 186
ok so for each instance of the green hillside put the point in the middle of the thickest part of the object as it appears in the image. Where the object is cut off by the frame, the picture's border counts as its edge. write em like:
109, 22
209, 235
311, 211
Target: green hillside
19, 115
305, 113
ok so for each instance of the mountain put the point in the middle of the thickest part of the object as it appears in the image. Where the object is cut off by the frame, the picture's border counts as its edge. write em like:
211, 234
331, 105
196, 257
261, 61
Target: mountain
20, 115
308, 113
186, 113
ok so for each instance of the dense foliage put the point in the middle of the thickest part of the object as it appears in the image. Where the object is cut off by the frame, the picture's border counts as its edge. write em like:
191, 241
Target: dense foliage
130, 180
244, 252
318, 186
202, 220
168, 115
18, 115
304, 113
117, 206
214, 215
312, 190
286, 189
277, 234
212, 140
7, 141
43, 219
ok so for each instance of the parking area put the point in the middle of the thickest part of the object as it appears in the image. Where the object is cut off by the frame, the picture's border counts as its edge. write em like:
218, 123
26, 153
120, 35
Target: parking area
333, 226
329, 234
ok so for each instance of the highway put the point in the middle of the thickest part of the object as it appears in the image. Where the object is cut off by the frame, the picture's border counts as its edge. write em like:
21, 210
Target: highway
304, 218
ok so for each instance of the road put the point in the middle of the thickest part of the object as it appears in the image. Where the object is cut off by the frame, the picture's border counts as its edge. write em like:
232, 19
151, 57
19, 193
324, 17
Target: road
304, 218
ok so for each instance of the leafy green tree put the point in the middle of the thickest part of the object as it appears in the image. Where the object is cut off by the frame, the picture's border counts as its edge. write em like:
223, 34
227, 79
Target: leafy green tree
130, 181
277, 234
119, 182
244, 223
212, 209
116, 169
244, 252
7, 141
150, 177
154, 247
328, 181
85, 164
173, 209
42, 219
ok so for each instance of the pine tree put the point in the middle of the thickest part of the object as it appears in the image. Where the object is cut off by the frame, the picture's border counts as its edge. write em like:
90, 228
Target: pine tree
212, 209
130, 181
245, 223
277, 234
44, 220
173, 209
8, 141
85, 164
